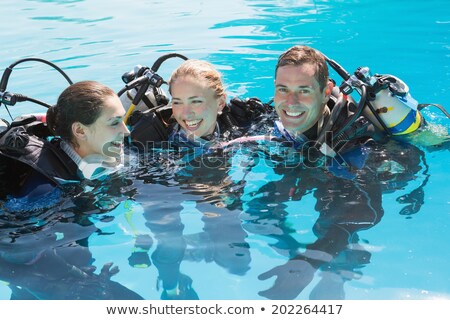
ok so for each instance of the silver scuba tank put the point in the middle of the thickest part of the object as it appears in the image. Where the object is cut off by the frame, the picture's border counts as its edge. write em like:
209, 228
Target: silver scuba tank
154, 96
392, 102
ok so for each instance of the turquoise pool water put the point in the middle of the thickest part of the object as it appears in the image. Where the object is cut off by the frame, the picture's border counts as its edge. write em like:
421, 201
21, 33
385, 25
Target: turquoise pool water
218, 230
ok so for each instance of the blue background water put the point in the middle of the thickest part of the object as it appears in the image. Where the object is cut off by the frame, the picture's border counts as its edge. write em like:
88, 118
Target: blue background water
243, 39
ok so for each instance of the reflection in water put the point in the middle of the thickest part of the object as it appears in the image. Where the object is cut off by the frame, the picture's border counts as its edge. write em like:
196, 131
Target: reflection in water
46, 256
345, 207
227, 216
222, 239
234, 196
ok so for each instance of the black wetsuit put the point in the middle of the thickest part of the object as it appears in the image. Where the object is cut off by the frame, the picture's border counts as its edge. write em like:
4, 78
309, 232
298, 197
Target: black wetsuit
30, 157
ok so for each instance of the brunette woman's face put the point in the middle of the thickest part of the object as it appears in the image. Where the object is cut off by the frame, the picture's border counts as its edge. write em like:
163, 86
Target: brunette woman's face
106, 135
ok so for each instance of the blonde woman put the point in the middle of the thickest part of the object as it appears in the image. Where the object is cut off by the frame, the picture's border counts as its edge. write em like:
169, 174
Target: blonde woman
199, 112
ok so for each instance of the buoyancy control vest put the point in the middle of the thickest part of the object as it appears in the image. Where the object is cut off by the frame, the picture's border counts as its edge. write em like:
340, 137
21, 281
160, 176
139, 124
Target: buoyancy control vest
27, 145
336, 141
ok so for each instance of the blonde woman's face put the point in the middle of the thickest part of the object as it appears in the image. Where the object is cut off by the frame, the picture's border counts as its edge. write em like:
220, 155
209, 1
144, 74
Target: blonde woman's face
195, 106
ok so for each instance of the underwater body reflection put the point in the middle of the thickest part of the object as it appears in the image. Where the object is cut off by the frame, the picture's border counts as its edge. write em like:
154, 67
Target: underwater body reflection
194, 186
245, 191
232, 196
45, 250
345, 207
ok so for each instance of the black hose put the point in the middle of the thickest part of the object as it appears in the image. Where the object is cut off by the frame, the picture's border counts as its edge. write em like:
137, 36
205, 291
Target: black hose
122, 91
335, 113
38, 102
140, 93
338, 68
7, 72
362, 102
329, 125
154, 68
163, 58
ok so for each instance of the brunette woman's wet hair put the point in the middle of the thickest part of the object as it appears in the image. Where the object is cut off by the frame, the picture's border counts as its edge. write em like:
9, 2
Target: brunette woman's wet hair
80, 102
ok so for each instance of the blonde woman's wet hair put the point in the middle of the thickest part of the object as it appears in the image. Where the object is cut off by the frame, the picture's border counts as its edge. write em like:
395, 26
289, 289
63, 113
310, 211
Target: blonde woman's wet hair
202, 71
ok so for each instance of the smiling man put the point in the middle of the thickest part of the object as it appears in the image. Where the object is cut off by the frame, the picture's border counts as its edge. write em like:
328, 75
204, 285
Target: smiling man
301, 93
313, 116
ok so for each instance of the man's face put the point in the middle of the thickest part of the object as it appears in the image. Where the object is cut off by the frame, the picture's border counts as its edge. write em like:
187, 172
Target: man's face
299, 101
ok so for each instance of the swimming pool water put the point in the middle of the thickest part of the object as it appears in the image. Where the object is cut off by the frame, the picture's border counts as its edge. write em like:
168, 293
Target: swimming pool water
218, 229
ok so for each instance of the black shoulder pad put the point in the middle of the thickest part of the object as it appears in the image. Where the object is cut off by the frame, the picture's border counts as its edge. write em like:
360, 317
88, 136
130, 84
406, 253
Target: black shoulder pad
148, 128
246, 111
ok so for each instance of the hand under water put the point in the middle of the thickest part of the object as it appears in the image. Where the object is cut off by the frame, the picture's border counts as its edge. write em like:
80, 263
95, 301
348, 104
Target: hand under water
292, 278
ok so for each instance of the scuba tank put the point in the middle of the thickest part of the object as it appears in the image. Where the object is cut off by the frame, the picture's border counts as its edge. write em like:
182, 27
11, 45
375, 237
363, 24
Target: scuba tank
385, 108
390, 99
385, 100
153, 97
143, 87
148, 114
